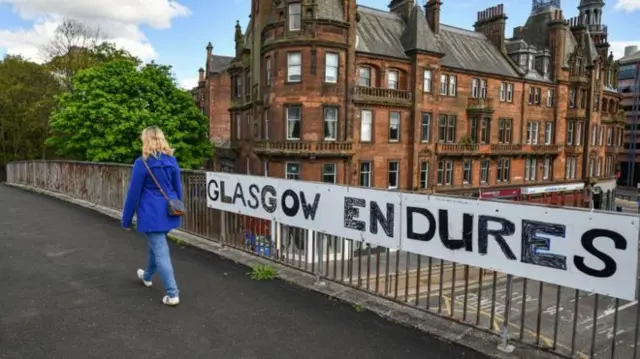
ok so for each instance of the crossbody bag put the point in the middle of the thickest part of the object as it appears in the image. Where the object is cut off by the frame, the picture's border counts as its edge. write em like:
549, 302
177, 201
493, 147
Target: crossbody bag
175, 207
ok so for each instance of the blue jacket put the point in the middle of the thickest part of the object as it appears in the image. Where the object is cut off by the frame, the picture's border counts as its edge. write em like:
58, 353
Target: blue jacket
144, 198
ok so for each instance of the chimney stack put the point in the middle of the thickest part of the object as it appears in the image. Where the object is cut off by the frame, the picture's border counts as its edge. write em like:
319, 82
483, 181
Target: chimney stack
432, 11
492, 23
402, 7
201, 73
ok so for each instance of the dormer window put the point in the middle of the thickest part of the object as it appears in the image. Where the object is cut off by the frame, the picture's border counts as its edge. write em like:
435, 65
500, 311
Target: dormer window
295, 16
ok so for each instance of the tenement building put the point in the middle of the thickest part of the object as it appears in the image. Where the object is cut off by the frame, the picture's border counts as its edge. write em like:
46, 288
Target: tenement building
331, 91
629, 80
212, 95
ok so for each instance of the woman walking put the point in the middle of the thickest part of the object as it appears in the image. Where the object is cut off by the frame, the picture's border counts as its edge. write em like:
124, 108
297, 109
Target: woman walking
154, 190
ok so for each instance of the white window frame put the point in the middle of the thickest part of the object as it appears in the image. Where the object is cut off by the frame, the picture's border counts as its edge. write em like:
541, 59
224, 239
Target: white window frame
609, 136
393, 79
425, 127
394, 122
550, 97
509, 92
483, 88
427, 78
570, 132
366, 120
332, 172
295, 16
453, 85
530, 169
548, 132
503, 92
424, 175
367, 173
578, 133
290, 120
330, 122
288, 174
444, 85
395, 172
294, 66
475, 88
367, 71
467, 169
484, 171
331, 67
546, 169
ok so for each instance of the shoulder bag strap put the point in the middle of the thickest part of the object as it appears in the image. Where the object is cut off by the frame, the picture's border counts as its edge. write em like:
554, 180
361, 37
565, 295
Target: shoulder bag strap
155, 180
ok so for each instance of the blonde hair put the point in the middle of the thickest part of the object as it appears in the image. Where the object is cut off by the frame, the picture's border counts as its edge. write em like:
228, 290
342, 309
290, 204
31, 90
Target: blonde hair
154, 142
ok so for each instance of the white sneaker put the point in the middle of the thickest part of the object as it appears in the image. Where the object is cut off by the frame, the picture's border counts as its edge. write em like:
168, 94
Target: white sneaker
170, 301
141, 277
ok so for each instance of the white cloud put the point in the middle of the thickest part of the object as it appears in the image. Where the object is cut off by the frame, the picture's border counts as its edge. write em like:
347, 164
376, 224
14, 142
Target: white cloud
189, 82
119, 21
627, 5
617, 47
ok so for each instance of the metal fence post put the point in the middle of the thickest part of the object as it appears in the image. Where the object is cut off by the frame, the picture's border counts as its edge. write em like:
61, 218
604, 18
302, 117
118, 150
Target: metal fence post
504, 343
320, 250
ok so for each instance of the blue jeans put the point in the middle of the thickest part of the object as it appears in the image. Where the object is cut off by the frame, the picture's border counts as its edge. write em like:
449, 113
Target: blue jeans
160, 261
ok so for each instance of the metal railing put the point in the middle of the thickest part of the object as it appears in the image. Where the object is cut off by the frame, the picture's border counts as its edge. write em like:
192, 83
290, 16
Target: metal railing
566, 321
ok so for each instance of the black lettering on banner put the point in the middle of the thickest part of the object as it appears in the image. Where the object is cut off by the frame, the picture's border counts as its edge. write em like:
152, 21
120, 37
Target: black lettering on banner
411, 233
215, 194
253, 202
351, 212
309, 210
467, 231
377, 217
610, 265
508, 229
269, 204
533, 239
295, 207
239, 194
225, 198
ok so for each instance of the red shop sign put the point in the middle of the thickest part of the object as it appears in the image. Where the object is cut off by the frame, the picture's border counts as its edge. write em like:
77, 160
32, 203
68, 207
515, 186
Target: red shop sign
508, 192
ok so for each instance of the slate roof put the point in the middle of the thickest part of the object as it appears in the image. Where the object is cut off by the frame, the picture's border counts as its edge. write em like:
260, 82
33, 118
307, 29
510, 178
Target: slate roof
384, 33
330, 10
219, 63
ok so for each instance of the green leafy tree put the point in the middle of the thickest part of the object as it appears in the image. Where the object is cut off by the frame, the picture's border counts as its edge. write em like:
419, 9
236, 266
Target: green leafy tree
27, 99
102, 118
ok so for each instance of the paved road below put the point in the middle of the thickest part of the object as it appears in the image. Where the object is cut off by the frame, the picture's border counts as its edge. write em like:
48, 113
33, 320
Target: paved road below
69, 291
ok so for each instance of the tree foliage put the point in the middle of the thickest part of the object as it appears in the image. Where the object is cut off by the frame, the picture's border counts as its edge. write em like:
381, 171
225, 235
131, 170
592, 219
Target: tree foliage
102, 118
27, 99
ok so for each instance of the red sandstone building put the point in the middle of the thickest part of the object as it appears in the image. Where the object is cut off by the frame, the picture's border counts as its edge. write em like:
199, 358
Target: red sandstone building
327, 90
212, 96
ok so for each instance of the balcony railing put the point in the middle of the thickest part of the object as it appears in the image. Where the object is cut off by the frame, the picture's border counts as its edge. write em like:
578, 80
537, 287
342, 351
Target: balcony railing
457, 148
613, 150
382, 95
573, 148
506, 148
304, 148
582, 79
480, 104
541, 149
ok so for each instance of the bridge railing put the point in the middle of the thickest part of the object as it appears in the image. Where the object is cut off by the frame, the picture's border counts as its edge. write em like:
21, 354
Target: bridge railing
566, 321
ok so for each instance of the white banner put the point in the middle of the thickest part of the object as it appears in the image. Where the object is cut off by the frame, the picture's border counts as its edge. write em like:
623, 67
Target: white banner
591, 251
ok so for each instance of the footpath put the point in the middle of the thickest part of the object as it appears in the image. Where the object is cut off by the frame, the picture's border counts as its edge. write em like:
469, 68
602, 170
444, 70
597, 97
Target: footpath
69, 290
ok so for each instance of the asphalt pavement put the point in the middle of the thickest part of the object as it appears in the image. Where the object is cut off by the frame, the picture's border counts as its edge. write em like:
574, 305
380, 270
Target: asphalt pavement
69, 290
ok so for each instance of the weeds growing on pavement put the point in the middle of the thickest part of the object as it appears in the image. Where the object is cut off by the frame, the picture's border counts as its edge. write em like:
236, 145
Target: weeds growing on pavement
263, 272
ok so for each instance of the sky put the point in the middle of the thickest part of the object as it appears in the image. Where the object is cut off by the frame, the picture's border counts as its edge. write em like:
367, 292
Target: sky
176, 32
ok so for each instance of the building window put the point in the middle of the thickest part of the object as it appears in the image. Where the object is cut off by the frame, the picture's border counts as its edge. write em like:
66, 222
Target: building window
571, 167
365, 174
292, 171
596, 102
548, 133
537, 95
550, 95
600, 135
295, 16
532, 132
467, 165
445, 172
238, 86
530, 169
594, 134
365, 77
424, 175
592, 165
238, 126
427, 79
503, 92
393, 174
504, 131
484, 171
294, 67
293, 122
503, 170
448, 85
331, 68
609, 137
329, 173
394, 126
485, 132
473, 129
425, 127
546, 169
365, 125
267, 70
570, 132
392, 79
572, 98
483, 88
530, 95
578, 133
509, 92
599, 167
330, 123
478, 88
447, 128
